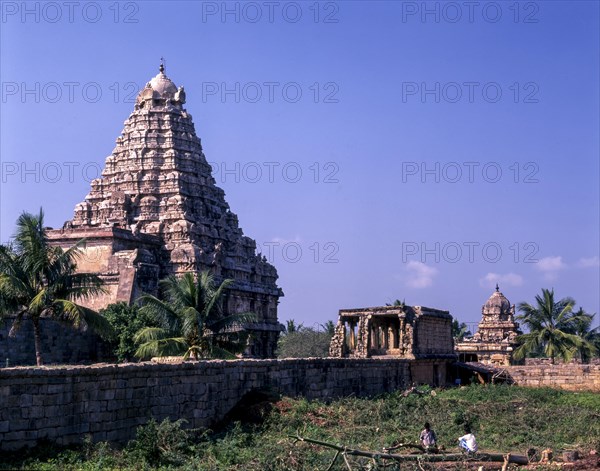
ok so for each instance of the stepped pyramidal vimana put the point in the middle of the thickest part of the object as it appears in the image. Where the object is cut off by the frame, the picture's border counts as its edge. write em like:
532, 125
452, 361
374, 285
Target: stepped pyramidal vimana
156, 211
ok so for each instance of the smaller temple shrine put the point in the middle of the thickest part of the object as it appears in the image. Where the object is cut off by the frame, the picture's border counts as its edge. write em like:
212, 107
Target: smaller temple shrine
403, 331
495, 340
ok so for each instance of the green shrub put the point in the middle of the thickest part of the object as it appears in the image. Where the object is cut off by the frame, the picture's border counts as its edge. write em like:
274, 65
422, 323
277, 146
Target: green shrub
126, 321
304, 343
161, 443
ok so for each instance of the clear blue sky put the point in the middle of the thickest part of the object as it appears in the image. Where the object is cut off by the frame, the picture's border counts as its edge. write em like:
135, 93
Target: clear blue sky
439, 136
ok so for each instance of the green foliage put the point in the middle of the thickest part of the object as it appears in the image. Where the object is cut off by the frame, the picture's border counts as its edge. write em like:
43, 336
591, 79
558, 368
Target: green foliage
553, 328
398, 303
328, 327
304, 343
582, 326
190, 320
504, 418
126, 321
39, 280
291, 327
460, 330
161, 443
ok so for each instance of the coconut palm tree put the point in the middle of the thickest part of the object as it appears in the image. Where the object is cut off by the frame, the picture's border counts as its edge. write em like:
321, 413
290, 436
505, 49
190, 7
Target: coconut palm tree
460, 330
39, 281
583, 328
191, 320
551, 326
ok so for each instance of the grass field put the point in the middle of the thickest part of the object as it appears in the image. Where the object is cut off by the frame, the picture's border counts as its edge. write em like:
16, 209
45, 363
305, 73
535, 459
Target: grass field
503, 418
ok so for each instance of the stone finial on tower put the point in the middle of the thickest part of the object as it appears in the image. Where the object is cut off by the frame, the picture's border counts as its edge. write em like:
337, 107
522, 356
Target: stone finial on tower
162, 65
497, 288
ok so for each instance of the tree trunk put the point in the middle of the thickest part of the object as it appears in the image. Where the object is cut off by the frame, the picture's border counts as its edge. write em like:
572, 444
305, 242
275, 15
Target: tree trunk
424, 457
37, 340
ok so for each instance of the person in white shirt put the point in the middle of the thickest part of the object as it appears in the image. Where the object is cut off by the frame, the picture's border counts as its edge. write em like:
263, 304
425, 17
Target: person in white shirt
467, 441
427, 438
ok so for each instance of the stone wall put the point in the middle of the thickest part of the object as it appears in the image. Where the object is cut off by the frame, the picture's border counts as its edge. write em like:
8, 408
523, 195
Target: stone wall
126, 263
433, 334
108, 402
572, 377
60, 344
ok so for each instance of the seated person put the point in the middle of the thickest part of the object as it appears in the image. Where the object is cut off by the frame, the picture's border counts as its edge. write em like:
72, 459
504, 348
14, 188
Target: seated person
467, 442
427, 438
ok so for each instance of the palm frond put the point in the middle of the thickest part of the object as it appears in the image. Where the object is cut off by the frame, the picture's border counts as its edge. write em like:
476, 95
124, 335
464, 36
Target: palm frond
31, 243
215, 298
218, 352
39, 303
16, 325
161, 347
192, 321
81, 317
162, 312
177, 290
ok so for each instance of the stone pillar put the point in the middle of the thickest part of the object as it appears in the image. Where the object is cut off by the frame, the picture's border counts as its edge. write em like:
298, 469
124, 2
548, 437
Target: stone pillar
385, 330
392, 336
337, 347
364, 337
401, 340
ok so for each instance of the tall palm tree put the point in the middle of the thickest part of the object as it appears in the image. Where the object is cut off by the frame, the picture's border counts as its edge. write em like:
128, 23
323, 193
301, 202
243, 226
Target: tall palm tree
583, 328
39, 281
191, 320
551, 325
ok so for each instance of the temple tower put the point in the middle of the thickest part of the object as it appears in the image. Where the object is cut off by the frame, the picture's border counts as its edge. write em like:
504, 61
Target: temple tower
156, 211
495, 339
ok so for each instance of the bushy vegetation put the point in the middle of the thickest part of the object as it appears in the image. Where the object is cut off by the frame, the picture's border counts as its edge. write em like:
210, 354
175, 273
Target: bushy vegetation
504, 418
126, 321
298, 341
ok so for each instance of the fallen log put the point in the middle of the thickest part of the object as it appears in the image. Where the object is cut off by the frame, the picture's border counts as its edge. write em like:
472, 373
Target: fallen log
432, 458
408, 445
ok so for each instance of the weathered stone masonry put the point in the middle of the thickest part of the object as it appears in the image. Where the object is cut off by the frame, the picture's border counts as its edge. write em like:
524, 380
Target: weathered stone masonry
400, 331
108, 402
60, 344
495, 340
156, 211
570, 377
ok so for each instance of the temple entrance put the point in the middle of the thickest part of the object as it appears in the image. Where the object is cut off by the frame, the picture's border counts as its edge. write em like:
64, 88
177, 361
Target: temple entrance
385, 336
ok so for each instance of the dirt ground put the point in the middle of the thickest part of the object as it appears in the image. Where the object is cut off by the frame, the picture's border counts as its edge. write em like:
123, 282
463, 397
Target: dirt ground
585, 463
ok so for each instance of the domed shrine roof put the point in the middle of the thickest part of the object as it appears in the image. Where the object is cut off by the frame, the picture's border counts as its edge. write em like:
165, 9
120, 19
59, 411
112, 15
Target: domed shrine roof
163, 84
161, 90
497, 303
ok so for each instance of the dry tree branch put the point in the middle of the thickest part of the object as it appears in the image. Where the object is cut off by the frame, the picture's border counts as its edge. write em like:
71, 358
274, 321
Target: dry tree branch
517, 459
